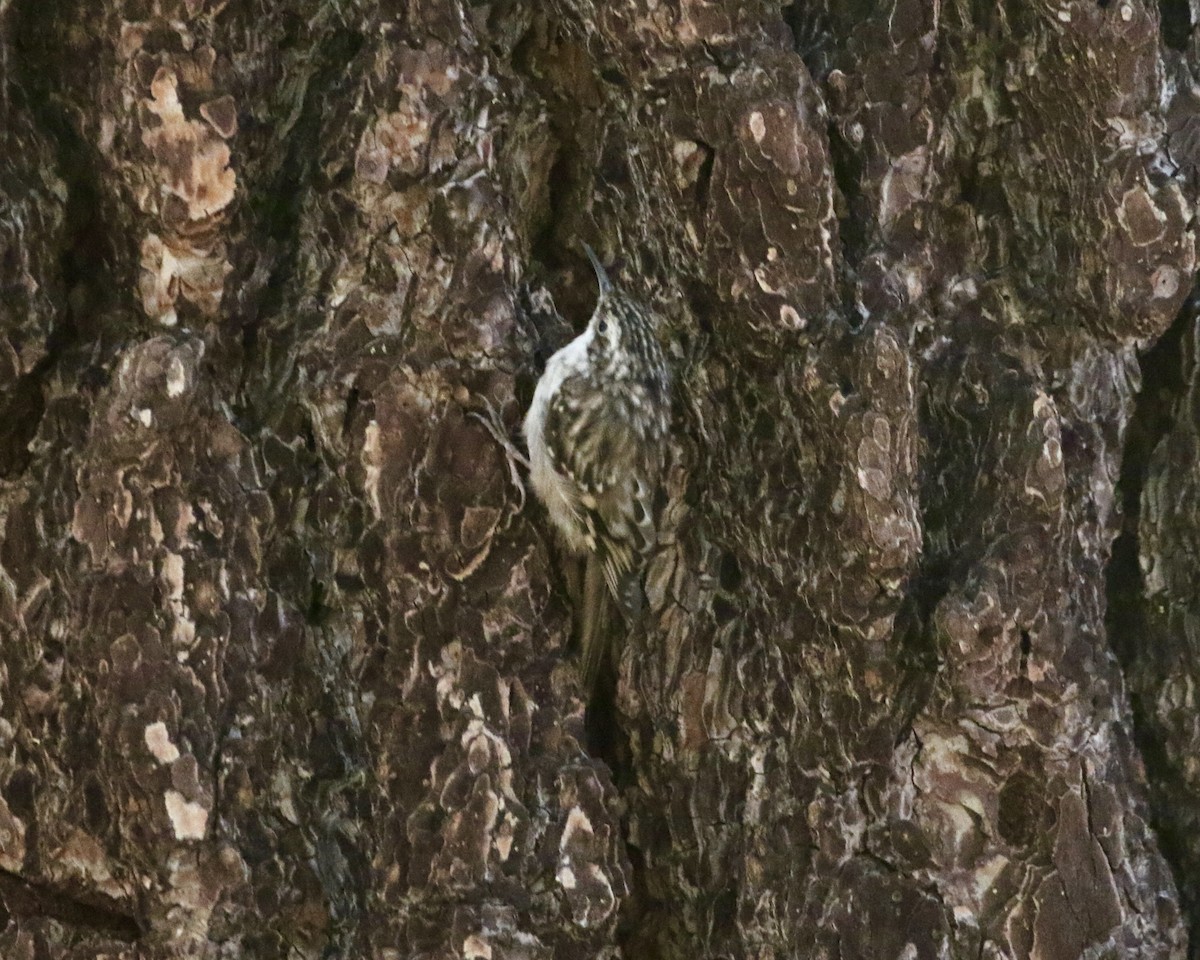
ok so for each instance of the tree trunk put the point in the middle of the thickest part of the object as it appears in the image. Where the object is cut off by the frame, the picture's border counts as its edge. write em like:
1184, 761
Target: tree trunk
287, 665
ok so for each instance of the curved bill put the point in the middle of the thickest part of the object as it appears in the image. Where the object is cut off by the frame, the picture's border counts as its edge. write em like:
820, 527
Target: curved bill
601, 274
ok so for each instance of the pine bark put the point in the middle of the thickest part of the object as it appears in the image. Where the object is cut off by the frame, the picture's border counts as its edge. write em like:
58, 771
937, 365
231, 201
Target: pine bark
286, 658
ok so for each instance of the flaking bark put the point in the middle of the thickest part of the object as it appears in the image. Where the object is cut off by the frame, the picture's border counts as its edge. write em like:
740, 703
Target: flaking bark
287, 671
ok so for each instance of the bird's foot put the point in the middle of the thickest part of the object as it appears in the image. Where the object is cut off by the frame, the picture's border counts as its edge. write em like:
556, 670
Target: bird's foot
492, 422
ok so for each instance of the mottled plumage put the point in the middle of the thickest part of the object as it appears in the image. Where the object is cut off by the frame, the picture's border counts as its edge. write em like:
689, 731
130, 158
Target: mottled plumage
596, 431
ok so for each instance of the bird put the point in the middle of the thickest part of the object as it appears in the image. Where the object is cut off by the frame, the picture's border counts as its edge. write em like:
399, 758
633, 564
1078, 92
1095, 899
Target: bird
596, 431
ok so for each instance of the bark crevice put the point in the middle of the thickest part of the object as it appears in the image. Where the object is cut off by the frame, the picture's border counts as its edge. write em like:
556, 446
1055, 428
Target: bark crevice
1135, 634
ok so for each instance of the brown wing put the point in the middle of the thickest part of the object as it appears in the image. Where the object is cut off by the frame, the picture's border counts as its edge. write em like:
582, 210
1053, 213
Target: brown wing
613, 452
578, 434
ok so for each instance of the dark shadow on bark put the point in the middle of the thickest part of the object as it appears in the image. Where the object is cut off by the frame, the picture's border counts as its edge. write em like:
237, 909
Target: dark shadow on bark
1175, 23
1134, 638
88, 912
86, 279
275, 213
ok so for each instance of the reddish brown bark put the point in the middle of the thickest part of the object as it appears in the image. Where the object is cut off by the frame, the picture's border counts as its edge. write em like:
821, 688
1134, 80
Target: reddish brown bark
286, 668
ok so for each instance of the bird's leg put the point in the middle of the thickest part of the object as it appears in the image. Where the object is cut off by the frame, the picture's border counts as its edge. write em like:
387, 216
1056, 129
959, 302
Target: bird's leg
495, 426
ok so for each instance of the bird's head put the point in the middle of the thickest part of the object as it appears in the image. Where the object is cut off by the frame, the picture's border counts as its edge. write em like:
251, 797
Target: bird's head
622, 328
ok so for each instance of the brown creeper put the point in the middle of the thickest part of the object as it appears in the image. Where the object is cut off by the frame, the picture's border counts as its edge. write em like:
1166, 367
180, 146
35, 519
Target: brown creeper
596, 431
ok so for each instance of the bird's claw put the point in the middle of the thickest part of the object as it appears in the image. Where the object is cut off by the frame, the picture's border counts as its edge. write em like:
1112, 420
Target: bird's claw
495, 426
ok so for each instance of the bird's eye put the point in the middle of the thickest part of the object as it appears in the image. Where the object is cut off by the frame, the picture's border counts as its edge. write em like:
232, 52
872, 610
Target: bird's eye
603, 326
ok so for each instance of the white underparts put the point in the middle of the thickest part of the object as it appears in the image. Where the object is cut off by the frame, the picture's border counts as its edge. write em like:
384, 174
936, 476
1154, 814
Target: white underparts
559, 493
